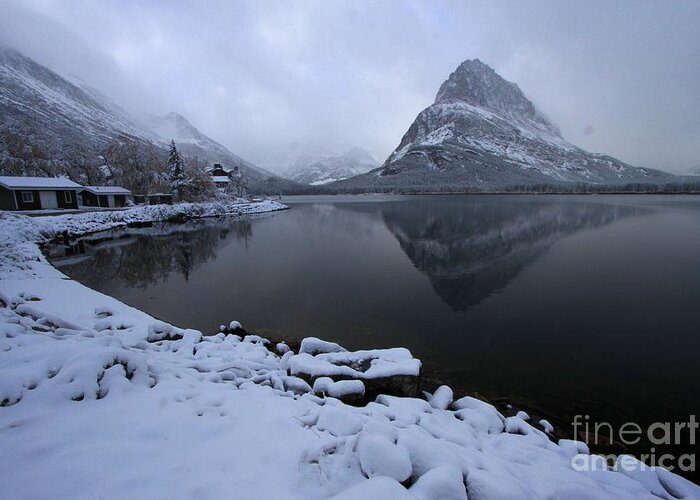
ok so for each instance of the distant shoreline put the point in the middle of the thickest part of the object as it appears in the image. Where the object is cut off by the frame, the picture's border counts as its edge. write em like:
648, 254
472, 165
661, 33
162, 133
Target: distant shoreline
462, 193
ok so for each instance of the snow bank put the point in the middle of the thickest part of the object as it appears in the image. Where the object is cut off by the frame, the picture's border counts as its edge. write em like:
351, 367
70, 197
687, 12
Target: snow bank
100, 400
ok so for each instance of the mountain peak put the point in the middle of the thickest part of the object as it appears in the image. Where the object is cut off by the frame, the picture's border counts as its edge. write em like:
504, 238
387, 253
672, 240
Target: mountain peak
477, 84
177, 117
174, 126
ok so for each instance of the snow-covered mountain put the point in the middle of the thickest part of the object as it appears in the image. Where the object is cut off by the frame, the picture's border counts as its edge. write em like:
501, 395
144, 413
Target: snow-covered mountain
191, 141
695, 170
483, 133
317, 169
49, 111
47, 120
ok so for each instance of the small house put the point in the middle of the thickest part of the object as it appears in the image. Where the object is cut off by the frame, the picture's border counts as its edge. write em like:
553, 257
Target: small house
104, 196
38, 193
220, 176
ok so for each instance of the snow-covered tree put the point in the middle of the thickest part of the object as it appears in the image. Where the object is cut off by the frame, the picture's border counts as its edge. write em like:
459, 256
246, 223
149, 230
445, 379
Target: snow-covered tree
136, 165
176, 169
200, 186
238, 184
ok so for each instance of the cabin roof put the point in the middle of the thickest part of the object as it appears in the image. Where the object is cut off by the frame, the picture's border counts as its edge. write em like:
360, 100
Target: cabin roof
107, 190
39, 183
219, 167
220, 178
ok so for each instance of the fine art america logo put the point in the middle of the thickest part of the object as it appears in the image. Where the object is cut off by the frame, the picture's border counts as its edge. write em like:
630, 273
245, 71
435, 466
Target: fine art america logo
662, 434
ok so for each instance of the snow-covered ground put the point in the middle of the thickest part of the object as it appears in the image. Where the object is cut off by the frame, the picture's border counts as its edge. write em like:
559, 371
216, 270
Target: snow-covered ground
100, 400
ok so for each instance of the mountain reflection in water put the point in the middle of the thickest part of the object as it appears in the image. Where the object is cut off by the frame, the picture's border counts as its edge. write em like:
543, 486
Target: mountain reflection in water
474, 251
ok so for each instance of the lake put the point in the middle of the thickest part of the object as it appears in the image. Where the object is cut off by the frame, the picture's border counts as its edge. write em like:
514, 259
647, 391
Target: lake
558, 304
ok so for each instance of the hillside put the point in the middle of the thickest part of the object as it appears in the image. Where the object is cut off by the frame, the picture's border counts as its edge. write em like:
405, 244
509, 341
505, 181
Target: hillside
49, 124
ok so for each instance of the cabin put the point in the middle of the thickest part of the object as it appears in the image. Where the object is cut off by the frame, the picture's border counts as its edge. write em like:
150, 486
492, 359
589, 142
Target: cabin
220, 176
38, 193
104, 196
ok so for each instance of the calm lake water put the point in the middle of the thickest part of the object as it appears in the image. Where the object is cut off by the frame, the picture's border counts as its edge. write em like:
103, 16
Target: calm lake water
563, 304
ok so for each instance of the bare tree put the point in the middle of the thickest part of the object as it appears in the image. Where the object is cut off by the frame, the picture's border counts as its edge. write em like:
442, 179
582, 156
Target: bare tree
199, 184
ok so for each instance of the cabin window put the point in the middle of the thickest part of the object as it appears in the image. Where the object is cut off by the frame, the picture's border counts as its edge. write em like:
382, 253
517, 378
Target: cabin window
27, 197
68, 196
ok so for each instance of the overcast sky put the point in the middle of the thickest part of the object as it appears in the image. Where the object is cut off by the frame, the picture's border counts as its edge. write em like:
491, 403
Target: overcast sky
618, 77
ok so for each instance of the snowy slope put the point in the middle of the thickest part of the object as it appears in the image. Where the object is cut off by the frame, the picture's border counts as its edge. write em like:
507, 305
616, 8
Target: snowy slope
53, 111
52, 118
321, 168
191, 141
482, 132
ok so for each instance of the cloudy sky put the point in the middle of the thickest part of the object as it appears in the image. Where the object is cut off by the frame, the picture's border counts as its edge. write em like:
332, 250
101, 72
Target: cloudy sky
618, 77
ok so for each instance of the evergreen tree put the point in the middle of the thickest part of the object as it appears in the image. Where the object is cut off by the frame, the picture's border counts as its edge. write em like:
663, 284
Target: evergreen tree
178, 182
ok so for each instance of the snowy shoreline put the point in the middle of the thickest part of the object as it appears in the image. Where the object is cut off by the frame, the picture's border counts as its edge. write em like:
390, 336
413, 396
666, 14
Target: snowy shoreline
100, 399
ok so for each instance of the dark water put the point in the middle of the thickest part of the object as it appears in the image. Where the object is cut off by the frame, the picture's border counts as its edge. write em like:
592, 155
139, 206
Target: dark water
564, 304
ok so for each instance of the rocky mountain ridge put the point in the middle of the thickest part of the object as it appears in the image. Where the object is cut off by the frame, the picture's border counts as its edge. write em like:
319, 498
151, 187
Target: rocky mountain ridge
482, 133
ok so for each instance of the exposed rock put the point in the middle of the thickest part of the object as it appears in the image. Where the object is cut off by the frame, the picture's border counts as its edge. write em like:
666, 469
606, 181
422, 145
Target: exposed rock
382, 371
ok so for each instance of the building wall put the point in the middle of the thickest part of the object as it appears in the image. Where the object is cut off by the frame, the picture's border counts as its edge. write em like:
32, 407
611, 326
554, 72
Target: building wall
7, 199
34, 205
62, 203
90, 199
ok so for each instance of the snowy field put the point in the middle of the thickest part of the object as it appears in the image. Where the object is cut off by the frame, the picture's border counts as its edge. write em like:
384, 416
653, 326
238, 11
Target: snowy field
100, 400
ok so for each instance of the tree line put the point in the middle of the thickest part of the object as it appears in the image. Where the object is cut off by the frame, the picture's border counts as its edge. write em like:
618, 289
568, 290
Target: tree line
127, 161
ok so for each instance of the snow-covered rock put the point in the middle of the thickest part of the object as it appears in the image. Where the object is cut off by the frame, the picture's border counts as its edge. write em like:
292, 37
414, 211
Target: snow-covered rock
342, 389
442, 398
392, 371
313, 346
339, 422
377, 488
365, 364
381, 457
443, 482
548, 428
